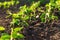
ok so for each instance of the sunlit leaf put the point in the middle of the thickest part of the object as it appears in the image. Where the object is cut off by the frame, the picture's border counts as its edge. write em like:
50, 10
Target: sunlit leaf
2, 28
0, 4
15, 16
20, 35
4, 3
35, 5
18, 29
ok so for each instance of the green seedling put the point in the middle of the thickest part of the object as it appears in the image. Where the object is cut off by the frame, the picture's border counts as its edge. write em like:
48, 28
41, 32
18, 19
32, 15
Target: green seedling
14, 34
8, 4
24, 14
27, 13
48, 15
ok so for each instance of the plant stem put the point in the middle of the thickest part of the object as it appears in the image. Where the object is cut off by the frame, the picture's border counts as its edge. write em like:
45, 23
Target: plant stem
11, 34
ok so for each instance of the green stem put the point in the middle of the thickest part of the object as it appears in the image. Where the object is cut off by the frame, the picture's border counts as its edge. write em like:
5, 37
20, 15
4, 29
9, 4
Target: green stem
11, 34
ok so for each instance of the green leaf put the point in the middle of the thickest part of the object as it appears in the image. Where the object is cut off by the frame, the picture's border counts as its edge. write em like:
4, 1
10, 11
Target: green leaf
20, 35
26, 18
25, 23
14, 34
17, 35
15, 21
15, 15
17, 2
5, 37
2, 28
5, 3
35, 5
12, 2
43, 20
54, 17
18, 29
21, 12
43, 15
0, 4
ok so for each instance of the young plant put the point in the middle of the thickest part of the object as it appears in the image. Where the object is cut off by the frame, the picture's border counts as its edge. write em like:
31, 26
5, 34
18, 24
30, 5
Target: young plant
14, 34
8, 4
20, 18
4, 36
57, 4
48, 15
